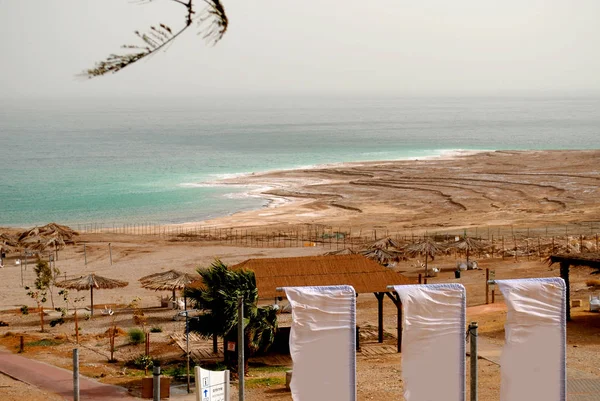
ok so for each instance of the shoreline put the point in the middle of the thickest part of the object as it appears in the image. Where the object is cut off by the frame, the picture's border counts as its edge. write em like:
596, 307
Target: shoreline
456, 189
557, 188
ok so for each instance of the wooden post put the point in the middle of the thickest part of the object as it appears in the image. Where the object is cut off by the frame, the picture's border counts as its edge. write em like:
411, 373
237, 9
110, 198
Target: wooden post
420, 278
110, 253
21, 345
564, 274
493, 295
503, 247
379, 296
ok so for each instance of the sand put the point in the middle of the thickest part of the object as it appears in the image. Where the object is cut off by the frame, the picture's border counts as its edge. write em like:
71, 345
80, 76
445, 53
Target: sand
500, 188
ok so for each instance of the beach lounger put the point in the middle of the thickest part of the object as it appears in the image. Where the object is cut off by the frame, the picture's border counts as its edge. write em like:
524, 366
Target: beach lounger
107, 311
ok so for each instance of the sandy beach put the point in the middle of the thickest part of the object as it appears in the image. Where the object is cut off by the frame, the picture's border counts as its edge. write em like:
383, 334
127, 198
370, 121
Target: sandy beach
498, 188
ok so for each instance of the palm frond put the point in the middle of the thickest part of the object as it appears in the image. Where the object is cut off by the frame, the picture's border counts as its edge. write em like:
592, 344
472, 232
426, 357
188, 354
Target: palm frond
212, 21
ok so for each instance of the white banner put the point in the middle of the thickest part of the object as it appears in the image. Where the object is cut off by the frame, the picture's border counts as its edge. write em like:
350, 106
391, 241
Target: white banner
323, 343
533, 362
433, 341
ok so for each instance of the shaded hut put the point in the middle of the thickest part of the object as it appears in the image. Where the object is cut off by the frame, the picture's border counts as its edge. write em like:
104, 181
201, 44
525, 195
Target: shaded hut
90, 282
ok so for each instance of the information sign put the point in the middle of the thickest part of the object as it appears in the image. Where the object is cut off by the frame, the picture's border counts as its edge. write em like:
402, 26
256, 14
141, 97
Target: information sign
211, 385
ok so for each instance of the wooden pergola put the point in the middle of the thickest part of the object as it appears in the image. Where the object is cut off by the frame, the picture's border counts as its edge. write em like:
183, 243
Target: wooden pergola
365, 275
566, 260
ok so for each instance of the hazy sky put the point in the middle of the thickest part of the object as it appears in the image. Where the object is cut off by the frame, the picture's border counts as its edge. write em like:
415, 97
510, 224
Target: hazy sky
393, 47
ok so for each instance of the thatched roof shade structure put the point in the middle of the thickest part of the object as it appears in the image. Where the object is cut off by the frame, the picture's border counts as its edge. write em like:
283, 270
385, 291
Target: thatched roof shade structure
385, 243
8, 243
51, 234
567, 260
345, 251
365, 275
170, 280
427, 247
382, 256
361, 273
467, 244
90, 282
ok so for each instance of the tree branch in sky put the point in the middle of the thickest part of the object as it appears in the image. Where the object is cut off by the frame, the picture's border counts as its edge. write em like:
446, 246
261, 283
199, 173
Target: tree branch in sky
212, 22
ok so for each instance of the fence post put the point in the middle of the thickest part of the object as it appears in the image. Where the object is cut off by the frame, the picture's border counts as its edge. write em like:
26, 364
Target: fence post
75, 374
473, 339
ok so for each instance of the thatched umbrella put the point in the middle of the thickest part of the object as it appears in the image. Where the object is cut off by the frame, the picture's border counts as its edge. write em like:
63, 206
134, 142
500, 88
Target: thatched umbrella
90, 282
8, 242
385, 243
345, 251
467, 244
381, 256
49, 235
426, 247
167, 281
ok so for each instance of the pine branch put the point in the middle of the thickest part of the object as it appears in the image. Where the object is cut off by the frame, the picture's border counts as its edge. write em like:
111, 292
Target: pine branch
212, 21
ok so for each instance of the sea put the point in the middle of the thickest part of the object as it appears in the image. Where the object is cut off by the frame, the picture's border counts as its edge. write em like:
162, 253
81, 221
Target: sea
159, 160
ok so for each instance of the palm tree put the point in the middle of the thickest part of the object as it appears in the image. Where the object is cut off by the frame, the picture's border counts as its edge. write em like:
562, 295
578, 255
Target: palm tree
218, 296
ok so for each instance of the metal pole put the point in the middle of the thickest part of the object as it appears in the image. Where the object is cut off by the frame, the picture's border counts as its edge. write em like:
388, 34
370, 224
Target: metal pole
110, 253
75, 374
473, 338
84, 254
156, 382
187, 348
487, 286
241, 370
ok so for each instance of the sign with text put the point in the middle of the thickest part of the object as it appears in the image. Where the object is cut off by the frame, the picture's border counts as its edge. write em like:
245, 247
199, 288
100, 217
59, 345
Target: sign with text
211, 385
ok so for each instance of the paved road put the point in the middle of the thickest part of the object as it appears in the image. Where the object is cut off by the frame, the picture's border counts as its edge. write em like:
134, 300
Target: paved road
57, 380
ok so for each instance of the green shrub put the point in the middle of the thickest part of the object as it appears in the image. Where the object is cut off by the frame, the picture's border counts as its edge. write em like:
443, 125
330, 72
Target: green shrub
136, 336
176, 371
46, 342
156, 330
25, 310
143, 362
54, 322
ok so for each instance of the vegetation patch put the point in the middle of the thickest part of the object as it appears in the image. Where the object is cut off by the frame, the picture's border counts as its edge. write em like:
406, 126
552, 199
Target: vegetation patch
265, 382
136, 336
46, 342
269, 368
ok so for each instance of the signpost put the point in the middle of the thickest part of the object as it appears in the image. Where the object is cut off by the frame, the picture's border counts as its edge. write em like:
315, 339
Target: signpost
211, 385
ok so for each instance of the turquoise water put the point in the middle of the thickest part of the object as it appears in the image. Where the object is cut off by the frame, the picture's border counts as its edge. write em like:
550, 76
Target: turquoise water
153, 161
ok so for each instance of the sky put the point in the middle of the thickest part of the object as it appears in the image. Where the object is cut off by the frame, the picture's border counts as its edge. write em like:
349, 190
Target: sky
281, 47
